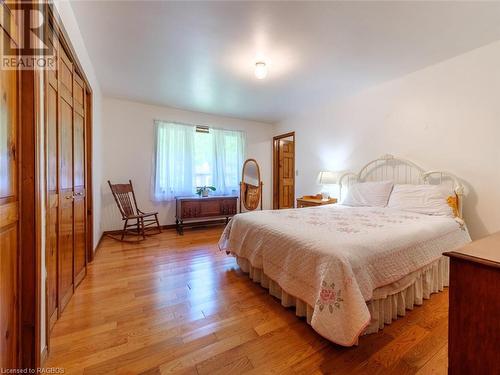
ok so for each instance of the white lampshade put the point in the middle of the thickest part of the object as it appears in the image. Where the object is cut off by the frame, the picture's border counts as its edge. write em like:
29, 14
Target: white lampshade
327, 178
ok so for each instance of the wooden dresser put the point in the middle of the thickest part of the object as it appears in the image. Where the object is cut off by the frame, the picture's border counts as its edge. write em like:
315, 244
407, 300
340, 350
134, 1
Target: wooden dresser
474, 316
197, 210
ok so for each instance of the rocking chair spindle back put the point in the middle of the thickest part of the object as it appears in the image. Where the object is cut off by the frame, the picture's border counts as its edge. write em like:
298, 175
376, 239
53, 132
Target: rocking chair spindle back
127, 204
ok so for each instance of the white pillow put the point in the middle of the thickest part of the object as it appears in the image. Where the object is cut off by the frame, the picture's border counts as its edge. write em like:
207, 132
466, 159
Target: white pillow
372, 194
423, 199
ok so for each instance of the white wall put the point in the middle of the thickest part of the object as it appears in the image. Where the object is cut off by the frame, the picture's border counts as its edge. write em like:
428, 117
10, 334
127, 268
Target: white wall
128, 147
446, 116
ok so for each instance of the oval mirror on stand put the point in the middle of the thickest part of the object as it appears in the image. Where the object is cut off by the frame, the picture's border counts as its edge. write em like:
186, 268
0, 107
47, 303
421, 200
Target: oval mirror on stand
250, 186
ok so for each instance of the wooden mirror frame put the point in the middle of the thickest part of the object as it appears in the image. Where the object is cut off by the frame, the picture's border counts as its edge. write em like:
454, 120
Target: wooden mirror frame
243, 183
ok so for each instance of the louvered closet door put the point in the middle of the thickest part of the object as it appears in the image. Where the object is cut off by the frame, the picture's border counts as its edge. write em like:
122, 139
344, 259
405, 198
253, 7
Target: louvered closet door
9, 206
65, 258
79, 178
52, 221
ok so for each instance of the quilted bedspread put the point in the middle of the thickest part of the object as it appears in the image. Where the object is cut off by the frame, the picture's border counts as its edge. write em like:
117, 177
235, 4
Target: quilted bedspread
333, 257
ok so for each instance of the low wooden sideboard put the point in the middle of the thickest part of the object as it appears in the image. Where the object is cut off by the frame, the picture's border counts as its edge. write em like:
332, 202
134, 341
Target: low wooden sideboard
474, 311
202, 211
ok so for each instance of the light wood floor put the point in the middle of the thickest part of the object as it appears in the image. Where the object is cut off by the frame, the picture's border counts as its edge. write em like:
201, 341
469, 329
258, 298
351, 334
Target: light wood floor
175, 304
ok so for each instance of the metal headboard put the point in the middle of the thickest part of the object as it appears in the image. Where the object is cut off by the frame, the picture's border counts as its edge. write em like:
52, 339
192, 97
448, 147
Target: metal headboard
402, 171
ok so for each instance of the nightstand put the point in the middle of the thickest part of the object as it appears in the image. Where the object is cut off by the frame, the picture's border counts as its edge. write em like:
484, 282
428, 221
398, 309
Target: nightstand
314, 200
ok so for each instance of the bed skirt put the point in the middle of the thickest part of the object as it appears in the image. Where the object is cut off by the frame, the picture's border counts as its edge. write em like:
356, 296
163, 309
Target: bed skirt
388, 302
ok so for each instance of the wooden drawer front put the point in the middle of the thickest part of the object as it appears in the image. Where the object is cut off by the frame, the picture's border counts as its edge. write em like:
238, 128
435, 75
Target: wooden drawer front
190, 209
228, 207
301, 204
207, 208
474, 328
211, 207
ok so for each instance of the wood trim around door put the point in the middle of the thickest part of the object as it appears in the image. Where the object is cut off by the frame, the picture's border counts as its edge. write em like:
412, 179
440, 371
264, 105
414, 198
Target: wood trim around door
88, 175
29, 223
276, 140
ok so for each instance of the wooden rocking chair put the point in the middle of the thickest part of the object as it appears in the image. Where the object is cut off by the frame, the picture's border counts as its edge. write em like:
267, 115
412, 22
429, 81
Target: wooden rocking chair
142, 221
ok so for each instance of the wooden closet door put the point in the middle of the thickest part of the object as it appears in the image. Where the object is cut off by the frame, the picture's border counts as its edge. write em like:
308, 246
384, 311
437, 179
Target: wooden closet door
65, 258
286, 174
52, 220
9, 212
79, 178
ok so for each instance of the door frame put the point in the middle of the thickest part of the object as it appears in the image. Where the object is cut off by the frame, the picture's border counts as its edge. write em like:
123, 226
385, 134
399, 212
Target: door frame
30, 225
89, 202
276, 140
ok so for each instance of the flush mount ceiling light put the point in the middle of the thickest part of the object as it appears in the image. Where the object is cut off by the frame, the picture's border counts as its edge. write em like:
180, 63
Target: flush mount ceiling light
260, 70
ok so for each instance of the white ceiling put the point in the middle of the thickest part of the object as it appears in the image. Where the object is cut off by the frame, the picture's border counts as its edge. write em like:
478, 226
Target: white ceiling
200, 55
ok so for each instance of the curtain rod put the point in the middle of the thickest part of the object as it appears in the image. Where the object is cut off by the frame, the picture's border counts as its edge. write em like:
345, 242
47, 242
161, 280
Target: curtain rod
195, 125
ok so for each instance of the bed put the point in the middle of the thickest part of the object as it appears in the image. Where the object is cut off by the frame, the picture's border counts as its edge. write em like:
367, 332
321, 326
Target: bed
350, 270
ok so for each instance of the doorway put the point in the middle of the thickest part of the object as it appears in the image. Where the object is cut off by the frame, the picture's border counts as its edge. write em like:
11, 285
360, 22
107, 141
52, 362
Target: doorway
284, 171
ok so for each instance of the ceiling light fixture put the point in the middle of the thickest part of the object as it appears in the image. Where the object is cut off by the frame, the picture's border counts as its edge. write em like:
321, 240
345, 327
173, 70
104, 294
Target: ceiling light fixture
260, 70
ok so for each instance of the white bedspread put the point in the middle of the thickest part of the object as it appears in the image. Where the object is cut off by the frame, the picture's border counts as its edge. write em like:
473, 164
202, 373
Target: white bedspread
334, 256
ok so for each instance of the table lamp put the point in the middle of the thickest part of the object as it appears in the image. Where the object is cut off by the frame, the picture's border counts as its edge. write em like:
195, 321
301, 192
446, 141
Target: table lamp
327, 178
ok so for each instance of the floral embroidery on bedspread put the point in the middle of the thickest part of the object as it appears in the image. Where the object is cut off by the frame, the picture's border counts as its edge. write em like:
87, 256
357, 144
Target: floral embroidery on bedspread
356, 222
329, 297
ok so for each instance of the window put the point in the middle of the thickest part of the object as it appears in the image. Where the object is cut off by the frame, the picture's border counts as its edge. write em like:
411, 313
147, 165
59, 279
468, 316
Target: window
203, 159
186, 159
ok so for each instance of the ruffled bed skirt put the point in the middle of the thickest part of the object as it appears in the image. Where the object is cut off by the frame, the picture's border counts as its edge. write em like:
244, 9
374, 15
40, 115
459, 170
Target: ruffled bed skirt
388, 302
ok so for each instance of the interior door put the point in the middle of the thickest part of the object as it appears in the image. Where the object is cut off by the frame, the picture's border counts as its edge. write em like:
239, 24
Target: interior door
9, 214
80, 258
66, 213
286, 173
52, 220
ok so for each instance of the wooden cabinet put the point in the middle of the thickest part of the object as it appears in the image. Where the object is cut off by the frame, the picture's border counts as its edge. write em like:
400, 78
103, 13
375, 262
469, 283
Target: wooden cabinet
66, 247
474, 309
197, 210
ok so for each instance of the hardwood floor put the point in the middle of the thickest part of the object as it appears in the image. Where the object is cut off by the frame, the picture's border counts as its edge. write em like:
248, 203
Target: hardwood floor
176, 304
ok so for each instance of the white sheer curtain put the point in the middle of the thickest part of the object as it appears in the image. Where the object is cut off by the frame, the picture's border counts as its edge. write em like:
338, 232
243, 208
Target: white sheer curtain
229, 146
174, 167
185, 158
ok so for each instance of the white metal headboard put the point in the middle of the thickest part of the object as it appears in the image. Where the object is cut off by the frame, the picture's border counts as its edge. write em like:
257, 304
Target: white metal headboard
402, 171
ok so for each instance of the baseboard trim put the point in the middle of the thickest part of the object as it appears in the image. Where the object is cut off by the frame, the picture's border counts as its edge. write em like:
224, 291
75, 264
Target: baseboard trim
165, 227
98, 245
203, 223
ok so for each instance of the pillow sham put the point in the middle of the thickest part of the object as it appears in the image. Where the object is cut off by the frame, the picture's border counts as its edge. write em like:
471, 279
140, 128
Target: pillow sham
423, 199
372, 194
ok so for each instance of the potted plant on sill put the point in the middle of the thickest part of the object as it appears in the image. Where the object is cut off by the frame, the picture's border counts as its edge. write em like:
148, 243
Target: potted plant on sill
203, 191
